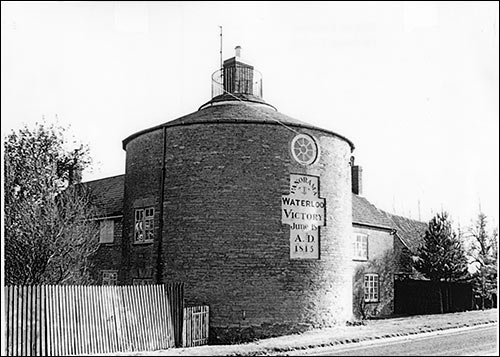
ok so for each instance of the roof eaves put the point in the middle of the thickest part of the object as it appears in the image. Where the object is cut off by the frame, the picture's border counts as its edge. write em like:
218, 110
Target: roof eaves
179, 122
401, 239
101, 179
385, 228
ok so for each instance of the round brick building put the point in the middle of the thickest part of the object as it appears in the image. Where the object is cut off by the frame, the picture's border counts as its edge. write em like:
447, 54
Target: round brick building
250, 208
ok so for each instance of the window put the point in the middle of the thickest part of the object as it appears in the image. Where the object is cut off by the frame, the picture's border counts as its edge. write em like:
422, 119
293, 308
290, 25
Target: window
371, 287
106, 231
360, 246
144, 224
109, 277
142, 281
304, 149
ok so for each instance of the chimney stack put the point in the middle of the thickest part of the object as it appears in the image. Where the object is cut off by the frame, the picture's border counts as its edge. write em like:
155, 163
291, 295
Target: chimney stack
238, 76
357, 179
74, 175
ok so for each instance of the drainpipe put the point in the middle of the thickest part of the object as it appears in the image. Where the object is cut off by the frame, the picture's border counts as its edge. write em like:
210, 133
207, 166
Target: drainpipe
159, 261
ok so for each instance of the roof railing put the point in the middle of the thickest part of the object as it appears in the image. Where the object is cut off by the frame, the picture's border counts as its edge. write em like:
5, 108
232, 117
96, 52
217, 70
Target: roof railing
237, 81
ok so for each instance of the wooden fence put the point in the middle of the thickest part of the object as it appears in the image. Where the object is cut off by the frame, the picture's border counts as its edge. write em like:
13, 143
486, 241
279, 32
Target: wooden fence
431, 297
70, 320
195, 327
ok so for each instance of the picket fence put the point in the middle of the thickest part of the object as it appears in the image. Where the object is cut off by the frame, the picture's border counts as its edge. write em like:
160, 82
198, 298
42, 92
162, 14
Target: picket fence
195, 327
53, 320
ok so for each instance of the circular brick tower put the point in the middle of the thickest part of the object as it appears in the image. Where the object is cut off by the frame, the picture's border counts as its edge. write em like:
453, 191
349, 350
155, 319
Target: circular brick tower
250, 208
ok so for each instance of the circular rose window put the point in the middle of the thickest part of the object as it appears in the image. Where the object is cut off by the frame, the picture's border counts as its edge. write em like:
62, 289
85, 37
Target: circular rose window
304, 149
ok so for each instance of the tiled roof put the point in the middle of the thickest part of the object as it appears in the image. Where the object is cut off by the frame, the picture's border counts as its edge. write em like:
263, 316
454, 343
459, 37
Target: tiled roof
235, 112
410, 231
364, 212
107, 195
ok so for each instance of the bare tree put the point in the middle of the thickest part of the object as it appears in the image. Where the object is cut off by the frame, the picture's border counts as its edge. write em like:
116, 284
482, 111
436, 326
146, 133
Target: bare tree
49, 227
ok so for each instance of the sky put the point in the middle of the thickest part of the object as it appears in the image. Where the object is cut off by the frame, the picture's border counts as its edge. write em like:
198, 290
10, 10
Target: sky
415, 86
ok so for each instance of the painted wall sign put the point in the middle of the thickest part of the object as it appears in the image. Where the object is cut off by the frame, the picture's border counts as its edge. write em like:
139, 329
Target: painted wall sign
304, 211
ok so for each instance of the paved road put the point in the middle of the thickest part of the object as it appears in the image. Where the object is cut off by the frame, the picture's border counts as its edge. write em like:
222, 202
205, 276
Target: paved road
476, 341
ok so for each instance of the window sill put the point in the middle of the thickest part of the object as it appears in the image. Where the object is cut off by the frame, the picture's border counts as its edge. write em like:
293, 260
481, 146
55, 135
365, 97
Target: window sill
360, 259
371, 302
143, 243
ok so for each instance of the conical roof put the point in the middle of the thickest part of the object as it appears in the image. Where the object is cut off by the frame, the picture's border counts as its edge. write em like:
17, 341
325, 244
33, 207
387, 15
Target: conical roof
236, 112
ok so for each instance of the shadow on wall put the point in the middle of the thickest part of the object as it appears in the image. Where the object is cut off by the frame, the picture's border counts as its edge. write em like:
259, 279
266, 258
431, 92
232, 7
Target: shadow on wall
373, 287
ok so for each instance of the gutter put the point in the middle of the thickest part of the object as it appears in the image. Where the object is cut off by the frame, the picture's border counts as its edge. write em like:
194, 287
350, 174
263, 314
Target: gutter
393, 231
101, 218
384, 228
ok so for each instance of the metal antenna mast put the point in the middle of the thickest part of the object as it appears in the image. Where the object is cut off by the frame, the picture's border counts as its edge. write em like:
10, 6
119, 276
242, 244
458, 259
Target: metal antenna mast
220, 47
419, 210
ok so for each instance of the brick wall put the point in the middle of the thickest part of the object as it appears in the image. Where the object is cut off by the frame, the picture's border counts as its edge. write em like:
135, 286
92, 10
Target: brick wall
108, 255
380, 241
142, 189
223, 234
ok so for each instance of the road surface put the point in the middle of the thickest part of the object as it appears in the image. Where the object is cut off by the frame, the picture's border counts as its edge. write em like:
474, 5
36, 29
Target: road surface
477, 341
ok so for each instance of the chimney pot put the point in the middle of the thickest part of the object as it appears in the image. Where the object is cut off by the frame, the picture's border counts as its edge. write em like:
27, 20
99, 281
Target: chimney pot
357, 179
237, 50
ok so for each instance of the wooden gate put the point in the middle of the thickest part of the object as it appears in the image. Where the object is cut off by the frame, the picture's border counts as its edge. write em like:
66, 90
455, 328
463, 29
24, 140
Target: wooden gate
195, 327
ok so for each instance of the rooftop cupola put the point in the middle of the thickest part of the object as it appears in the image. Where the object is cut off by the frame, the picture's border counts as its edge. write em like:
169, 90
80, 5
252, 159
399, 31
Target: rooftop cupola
236, 80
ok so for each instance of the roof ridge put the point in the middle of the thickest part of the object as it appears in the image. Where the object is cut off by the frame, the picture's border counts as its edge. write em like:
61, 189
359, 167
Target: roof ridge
403, 217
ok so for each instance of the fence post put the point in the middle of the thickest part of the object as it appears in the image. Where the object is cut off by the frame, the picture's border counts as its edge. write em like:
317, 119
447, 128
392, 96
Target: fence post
8, 312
